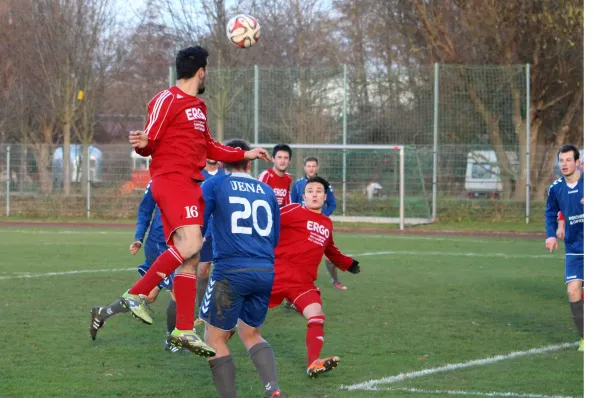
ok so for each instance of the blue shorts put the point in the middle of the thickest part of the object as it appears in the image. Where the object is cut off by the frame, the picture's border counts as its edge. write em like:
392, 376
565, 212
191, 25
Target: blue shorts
238, 294
573, 268
206, 252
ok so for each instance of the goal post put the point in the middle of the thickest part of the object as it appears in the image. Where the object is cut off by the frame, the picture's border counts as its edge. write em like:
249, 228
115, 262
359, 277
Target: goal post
375, 185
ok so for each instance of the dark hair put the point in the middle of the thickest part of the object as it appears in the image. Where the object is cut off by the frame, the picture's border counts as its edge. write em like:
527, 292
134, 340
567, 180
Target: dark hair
189, 60
568, 148
318, 179
310, 159
282, 147
237, 143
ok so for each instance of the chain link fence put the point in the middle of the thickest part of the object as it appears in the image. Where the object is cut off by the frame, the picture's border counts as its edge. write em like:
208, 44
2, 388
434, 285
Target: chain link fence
464, 130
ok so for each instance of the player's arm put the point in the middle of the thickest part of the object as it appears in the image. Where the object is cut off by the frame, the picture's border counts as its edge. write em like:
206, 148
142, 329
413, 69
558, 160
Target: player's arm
156, 124
551, 213
222, 153
145, 213
330, 202
560, 232
340, 260
294, 193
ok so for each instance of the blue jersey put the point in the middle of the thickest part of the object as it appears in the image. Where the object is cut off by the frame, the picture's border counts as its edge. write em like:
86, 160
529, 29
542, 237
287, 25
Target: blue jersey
207, 230
568, 200
245, 221
298, 191
149, 216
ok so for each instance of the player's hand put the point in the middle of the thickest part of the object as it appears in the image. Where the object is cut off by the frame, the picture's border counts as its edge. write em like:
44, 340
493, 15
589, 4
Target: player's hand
354, 268
257, 153
581, 200
560, 232
138, 139
134, 247
551, 244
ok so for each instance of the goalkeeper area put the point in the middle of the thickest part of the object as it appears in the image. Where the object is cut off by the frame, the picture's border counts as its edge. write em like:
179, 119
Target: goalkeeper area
428, 316
382, 184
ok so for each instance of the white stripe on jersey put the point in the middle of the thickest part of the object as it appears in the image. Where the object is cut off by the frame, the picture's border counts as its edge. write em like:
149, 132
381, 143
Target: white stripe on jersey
156, 113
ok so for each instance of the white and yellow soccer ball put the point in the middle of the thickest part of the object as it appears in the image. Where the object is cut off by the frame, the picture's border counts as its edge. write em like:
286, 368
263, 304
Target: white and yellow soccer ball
243, 30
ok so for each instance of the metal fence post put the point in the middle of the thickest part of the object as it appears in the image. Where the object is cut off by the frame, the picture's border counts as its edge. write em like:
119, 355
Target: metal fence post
402, 188
528, 132
89, 185
7, 181
436, 101
344, 140
256, 113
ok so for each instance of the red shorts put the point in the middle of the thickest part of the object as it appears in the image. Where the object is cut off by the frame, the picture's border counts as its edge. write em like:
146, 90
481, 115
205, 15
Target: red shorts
300, 295
180, 201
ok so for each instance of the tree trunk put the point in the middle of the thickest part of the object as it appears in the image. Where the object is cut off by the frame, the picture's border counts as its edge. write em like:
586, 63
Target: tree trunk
42, 155
67, 157
220, 129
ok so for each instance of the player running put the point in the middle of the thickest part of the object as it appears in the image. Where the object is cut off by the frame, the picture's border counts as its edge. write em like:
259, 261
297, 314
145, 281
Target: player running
276, 177
306, 235
246, 229
148, 220
178, 139
566, 195
311, 168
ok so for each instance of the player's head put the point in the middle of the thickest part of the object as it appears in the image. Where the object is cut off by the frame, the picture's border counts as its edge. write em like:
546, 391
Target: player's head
315, 192
211, 162
242, 166
311, 166
282, 154
191, 64
568, 159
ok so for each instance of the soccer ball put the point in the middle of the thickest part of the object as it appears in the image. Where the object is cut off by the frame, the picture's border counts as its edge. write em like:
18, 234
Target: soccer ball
243, 30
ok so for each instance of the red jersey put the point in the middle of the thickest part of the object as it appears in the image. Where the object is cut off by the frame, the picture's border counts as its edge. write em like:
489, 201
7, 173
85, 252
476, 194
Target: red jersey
304, 236
281, 185
178, 136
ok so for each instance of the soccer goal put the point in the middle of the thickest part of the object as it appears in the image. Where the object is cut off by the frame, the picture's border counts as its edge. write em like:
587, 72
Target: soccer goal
371, 182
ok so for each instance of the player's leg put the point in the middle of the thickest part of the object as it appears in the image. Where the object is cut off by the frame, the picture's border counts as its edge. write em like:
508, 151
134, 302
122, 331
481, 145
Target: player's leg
333, 272
309, 303
252, 316
180, 201
203, 273
220, 310
184, 286
574, 281
101, 314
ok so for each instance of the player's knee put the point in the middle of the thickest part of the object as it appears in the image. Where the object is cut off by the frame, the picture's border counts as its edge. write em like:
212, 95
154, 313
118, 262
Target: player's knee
574, 291
204, 270
189, 240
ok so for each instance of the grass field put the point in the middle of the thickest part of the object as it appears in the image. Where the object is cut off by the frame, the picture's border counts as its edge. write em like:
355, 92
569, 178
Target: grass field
419, 303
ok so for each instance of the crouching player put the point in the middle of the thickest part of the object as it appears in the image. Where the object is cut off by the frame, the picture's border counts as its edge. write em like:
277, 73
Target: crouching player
305, 236
245, 227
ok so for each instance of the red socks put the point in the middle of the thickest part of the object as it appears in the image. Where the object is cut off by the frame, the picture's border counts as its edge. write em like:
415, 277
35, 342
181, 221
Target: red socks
315, 337
164, 266
184, 287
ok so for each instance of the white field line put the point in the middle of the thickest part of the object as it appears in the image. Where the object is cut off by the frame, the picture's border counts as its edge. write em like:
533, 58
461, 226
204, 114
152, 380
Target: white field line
76, 272
23, 275
451, 367
458, 254
361, 236
476, 393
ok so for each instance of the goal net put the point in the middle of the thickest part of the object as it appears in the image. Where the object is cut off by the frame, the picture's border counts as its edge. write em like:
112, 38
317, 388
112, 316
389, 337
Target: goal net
372, 183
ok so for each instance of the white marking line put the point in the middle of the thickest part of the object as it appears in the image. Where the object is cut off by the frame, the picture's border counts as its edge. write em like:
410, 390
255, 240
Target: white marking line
451, 367
67, 232
83, 271
459, 254
477, 393
417, 253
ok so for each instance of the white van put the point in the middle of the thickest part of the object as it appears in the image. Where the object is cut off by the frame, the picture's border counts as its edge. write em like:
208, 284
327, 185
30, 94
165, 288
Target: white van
483, 172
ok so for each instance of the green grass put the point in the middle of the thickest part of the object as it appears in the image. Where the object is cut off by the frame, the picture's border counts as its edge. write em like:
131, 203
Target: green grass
431, 302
